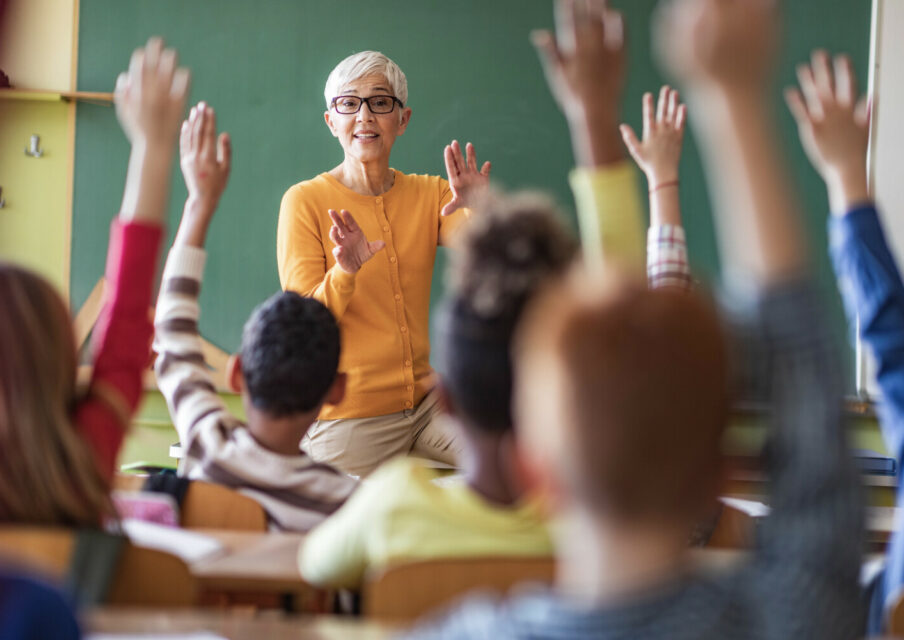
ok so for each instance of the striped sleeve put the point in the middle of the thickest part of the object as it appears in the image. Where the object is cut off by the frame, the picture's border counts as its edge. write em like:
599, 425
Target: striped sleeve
667, 265
199, 415
296, 492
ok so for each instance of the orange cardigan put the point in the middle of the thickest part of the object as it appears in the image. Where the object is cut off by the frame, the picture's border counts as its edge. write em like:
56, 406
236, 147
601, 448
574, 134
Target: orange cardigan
383, 309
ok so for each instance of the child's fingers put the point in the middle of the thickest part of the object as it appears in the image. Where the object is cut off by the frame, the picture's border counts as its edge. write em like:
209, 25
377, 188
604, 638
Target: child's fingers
548, 51
796, 105
648, 122
485, 169
195, 118
209, 133
167, 67
185, 137
810, 93
136, 67
681, 118
661, 104
862, 111
152, 52
224, 152
122, 80
672, 106
614, 24
845, 81
822, 75
566, 18
631, 142
180, 85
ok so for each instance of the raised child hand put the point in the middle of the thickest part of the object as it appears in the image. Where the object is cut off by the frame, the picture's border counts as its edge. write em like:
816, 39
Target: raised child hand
833, 125
467, 183
584, 61
659, 153
150, 96
720, 44
352, 248
204, 157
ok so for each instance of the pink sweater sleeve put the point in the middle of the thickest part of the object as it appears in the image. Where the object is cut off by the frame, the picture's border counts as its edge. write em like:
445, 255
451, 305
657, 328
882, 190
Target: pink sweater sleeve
121, 341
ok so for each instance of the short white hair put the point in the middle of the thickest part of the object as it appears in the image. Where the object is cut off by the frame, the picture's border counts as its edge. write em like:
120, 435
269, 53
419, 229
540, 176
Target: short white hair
366, 63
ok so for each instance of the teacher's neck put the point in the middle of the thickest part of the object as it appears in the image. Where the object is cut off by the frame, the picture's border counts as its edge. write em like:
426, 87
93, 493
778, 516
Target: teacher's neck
369, 179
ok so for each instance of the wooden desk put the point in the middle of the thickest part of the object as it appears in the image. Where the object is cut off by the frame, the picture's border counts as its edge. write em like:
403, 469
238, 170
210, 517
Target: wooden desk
258, 564
232, 625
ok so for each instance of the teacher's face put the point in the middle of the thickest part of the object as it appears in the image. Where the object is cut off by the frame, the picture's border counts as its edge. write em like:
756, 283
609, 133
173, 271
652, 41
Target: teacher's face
366, 136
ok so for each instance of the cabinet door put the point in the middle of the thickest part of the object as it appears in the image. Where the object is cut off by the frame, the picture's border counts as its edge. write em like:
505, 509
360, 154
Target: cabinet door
35, 221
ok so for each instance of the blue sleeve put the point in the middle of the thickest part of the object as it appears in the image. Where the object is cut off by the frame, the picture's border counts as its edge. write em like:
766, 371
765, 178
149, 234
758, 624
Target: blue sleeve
871, 286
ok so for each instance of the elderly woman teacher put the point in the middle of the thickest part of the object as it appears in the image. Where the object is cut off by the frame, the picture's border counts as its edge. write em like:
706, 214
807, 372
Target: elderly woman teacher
362, 239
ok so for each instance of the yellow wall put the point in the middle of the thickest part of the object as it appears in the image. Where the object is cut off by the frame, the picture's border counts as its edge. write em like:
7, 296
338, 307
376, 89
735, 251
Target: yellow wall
36, 52
34, 224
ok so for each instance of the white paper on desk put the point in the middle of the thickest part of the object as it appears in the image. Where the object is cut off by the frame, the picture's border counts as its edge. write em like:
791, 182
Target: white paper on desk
752, 508
187, 545
197, 635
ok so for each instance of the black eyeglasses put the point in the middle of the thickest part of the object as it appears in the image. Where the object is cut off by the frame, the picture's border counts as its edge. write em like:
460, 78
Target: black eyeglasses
348, 105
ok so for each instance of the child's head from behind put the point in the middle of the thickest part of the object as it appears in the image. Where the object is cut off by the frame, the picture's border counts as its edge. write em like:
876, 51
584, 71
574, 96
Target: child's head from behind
509, 248
289, 355
622, 399
47, 473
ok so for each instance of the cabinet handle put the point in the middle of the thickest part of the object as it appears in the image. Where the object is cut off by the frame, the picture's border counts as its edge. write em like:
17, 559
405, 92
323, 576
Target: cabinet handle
2, 200
34, 149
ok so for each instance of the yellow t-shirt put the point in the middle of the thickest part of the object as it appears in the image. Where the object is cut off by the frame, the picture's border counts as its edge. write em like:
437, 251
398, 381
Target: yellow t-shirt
383, 309
400, 513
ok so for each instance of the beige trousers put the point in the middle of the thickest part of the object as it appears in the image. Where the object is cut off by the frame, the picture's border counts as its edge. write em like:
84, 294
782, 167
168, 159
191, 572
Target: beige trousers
359, 445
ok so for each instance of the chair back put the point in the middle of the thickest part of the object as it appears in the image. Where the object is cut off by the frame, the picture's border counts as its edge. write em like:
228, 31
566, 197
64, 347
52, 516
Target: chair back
212, 506
405, 592
207, 505
142, 577
894, 625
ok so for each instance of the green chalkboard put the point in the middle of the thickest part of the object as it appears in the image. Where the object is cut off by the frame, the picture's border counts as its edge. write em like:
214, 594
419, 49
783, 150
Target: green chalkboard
472, 76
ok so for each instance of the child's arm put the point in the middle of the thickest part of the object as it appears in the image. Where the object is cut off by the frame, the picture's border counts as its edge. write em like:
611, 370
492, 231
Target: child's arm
658, 156
149, 100
198, 412
834, 129
296, 493
584, 62
808, 558
339, 553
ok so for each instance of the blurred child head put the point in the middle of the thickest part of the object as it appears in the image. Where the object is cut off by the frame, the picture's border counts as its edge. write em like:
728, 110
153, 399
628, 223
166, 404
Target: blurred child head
621, 399
47, 472
510, 246
289, 354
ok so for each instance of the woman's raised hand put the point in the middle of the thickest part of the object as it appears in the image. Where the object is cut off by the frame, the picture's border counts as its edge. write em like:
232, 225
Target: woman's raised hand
467, 183
352, 248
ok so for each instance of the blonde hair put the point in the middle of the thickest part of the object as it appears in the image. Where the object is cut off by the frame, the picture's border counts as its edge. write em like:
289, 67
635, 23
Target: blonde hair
366, 63
48, 474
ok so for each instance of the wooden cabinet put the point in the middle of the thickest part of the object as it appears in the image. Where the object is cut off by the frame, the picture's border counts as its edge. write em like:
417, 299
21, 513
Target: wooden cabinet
38, 47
